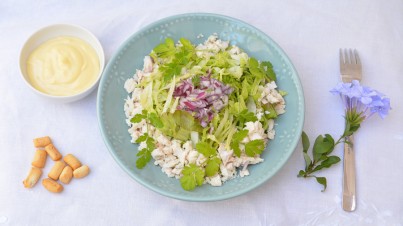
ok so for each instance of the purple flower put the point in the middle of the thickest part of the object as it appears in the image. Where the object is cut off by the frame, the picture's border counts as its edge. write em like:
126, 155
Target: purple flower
362, 100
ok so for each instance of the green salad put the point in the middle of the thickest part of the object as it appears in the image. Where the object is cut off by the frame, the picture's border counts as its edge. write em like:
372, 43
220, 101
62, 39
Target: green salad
202, 112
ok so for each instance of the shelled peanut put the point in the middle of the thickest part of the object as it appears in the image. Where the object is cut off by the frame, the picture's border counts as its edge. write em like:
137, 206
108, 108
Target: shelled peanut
64, 168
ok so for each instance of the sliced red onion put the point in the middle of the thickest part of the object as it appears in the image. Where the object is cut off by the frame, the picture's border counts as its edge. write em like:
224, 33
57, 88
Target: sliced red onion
208, 97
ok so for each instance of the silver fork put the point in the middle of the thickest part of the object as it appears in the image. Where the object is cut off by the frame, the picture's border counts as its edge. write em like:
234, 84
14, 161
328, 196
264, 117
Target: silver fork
350, 69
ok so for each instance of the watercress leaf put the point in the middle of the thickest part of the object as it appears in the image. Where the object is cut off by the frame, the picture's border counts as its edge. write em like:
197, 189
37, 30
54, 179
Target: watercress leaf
188, 183
267, 67
235, 147
142, 138
305, 142
137, 118
144, 156
205, 149
186, 44
150, 143
247, 116
212, 166
240, 135
166, 49
155, 120
272, 111
322, 181
193, 176
254, 147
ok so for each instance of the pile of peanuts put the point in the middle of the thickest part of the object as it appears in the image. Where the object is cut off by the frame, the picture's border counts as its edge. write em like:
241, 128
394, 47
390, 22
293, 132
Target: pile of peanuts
60, 171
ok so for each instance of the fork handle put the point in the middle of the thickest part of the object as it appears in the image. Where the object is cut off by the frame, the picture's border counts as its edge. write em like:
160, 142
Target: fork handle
349, 199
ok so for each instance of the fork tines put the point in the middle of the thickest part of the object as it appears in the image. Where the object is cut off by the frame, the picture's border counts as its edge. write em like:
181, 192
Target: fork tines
349, 56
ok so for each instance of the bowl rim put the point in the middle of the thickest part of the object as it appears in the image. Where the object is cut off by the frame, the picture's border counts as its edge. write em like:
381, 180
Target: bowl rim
161, 191
100, 54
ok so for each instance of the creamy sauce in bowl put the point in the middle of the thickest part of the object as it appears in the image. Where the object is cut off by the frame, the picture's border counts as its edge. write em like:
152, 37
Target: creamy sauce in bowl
63, 66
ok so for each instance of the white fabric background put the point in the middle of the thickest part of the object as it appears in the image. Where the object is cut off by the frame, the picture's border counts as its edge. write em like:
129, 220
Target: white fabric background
310, 32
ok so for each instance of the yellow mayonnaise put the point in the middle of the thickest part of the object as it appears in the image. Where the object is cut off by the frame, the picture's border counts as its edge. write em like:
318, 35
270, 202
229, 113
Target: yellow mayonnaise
63, 66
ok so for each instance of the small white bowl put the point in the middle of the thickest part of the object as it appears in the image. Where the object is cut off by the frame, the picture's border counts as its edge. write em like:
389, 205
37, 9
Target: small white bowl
54, 31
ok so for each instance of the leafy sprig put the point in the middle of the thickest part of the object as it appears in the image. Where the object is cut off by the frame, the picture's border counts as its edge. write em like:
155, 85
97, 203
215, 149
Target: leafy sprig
152, 118
254, 147
236, 139
213, 161
246, 116
323, 147
144, 155
263, 70
176, 57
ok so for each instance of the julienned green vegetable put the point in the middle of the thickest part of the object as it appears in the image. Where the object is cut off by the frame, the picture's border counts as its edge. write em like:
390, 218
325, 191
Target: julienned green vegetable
207, 97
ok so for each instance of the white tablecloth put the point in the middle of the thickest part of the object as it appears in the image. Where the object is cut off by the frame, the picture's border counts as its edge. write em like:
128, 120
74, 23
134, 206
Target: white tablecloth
310, 32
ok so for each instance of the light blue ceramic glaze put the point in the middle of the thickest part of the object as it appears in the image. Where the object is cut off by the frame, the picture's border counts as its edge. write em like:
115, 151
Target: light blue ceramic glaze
129, 57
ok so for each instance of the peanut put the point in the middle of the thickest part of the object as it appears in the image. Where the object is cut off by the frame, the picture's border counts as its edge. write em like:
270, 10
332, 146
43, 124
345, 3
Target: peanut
66, 175
81, 171
52, 185
56, 170
53, 152
32, 178
72, 161
41, 142
39, 159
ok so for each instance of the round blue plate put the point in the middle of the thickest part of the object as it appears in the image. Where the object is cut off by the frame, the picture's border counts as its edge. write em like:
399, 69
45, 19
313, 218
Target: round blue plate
129, 57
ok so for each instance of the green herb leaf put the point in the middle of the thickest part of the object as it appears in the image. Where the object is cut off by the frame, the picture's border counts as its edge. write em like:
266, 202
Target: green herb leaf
142, 138
240, 135
213, 166
267, 68
205, 149
170, 70
322, 146
137, 118
247, 116
144, 156
235, 147
150, 144
193, 176
305, 142
155, 120
272, 111
254, 68
322, 181
308, 161
301, 173
254, 147
331, 160
186, 44
236, 139
166, 49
